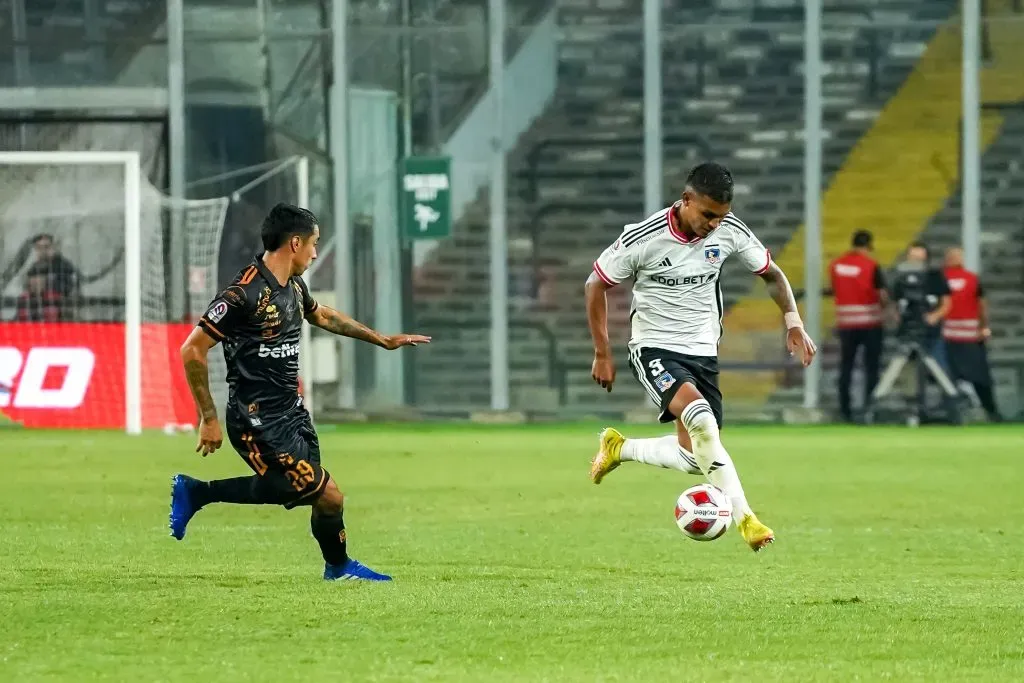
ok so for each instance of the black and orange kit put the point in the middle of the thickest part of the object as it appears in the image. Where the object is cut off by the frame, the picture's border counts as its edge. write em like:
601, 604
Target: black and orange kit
258, 321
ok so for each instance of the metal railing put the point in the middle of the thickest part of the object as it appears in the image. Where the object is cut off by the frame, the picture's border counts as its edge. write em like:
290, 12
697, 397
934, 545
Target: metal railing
533, 156
534, 220
559, 365
555, 364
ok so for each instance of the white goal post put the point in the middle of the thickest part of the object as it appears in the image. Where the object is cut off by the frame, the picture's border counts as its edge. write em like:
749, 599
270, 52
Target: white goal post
129, 162
98, 348
112, 224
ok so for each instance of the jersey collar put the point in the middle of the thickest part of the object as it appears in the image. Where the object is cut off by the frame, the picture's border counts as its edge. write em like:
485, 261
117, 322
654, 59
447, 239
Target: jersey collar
673, 225
265, 272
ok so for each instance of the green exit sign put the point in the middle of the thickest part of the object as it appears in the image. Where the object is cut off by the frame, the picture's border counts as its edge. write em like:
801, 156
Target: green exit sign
426, 205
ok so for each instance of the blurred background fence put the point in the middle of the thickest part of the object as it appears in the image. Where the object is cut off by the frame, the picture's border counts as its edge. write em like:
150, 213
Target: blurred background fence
469, 164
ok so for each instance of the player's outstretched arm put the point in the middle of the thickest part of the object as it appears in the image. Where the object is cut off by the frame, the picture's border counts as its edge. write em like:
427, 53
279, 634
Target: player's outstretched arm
603, 368
797, 340
326, 318
194, 354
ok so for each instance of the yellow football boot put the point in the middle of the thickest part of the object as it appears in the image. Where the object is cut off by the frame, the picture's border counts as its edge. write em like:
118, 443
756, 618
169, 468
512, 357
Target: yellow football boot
756, 534
608, 454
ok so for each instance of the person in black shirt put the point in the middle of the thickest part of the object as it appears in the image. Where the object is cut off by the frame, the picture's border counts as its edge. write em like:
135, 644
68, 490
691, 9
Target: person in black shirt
937, 301
922, 297
258, 319
61, 274
61, 279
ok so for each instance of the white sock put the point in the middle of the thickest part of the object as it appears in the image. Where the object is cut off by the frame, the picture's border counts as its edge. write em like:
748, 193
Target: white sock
663, 451
712, 456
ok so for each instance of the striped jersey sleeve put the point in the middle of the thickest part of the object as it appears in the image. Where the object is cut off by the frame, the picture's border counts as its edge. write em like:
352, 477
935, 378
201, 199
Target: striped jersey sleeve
747, 248
621, 260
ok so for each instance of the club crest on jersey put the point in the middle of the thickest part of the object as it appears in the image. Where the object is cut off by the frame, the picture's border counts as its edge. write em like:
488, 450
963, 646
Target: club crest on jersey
712, 255
217, 311
664, 381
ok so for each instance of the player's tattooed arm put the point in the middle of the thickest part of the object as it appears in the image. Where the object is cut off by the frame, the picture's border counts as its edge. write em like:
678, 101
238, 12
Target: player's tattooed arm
194, 357
327, 318
778, 286
797, 341
337, 322
198, 376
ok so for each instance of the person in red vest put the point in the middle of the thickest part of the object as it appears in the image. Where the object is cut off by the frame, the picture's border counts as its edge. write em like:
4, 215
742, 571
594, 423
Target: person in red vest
859, 290
965, 331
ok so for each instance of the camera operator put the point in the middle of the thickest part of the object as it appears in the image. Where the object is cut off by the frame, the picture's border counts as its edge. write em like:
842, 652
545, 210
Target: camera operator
923, 299
965, 331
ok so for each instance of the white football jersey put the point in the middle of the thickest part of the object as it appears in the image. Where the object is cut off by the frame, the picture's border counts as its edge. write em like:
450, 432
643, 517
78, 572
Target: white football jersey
677, 300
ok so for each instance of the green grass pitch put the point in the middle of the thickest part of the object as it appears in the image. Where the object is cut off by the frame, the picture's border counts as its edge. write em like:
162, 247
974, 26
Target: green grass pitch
900, 556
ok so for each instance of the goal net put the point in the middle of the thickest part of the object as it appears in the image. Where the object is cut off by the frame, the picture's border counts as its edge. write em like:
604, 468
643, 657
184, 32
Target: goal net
89, 334
252, 192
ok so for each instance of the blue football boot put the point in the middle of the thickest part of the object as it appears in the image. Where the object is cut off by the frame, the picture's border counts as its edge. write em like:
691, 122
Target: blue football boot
352, 571
183, 505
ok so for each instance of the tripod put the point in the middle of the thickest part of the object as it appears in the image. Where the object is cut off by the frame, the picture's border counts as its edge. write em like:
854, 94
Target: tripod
914, 352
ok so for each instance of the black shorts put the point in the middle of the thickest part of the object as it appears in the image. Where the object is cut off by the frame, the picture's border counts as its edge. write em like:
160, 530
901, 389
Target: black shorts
663, 372
284, 453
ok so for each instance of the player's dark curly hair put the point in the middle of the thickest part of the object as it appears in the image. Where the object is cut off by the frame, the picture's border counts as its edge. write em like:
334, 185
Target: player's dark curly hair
711, 180
284, 221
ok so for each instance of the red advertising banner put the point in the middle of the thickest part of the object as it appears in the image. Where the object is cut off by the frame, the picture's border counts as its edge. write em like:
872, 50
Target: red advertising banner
72, 375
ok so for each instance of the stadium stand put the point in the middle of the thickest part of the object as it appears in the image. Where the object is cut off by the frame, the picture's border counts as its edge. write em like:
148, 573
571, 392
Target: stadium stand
1002, 214
733, 91
448, 56
73, 42
932, 210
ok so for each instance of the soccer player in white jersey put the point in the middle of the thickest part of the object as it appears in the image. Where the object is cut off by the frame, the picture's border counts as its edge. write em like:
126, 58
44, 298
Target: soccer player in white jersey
675, 258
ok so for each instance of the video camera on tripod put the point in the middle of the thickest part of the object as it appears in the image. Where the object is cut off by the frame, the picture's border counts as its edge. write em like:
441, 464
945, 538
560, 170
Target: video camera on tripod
915, 297
915, 302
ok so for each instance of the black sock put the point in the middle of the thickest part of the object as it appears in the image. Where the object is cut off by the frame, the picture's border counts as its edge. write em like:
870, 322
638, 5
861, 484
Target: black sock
329, 532
240, 490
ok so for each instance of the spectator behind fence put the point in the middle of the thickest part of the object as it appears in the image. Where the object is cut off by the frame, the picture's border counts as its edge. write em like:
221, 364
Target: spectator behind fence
38, 303
66, 281
61, 275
